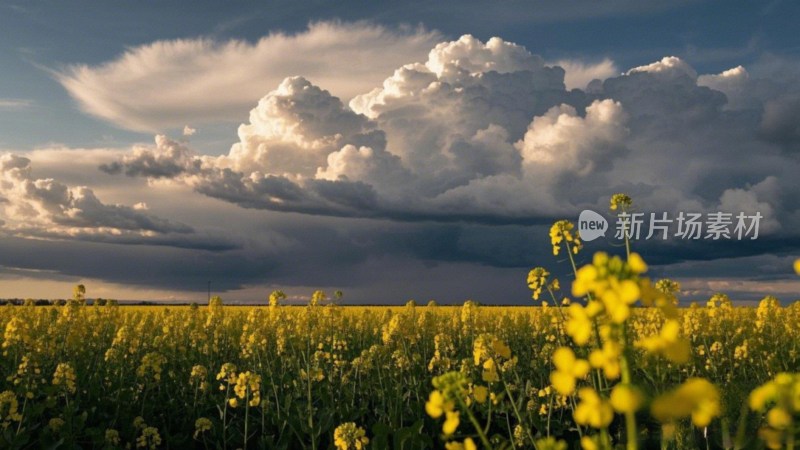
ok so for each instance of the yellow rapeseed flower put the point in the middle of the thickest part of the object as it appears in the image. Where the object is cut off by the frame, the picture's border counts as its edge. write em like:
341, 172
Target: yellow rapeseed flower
626, 398
201, 425
668, 343
349, 436
561, 231
550, 443
468, 444
64, 377
696, 397
437, 404
480, 393
568, 369
593, 410
537, 280
451, 422
607, 358
620, 201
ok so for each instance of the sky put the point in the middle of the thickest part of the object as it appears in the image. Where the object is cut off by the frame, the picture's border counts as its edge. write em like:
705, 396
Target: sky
390, 150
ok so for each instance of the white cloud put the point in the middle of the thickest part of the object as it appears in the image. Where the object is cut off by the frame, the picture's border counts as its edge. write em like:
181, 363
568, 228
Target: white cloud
668, 67
468, 55
46, 208
189, 131
760, 198
579, 73
735, 83
294, 128
15, 103
561, 141
167, 83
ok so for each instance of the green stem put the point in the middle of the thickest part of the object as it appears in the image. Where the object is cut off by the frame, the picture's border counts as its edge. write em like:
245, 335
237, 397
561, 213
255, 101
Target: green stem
630, 416
475, 424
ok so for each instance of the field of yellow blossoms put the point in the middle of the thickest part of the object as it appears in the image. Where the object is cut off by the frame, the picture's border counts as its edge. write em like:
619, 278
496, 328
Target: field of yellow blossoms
606, 362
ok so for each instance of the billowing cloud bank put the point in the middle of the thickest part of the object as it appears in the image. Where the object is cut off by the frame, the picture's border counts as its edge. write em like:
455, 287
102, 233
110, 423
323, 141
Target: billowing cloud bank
487, 132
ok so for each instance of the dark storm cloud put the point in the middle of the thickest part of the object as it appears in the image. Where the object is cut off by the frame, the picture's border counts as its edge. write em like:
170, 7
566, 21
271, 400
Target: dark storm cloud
780, 124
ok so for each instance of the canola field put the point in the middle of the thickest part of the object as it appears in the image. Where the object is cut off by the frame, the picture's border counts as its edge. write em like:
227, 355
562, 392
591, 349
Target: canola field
607, 362
411, 377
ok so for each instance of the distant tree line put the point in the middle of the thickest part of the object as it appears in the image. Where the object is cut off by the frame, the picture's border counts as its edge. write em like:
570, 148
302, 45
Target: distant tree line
57, 302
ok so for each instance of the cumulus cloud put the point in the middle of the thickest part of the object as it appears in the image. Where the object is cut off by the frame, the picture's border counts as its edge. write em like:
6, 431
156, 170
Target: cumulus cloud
487, 132
164, 84
168, 159
578, 74
668, 67
562, 141
734, 83
47, 208
760, 199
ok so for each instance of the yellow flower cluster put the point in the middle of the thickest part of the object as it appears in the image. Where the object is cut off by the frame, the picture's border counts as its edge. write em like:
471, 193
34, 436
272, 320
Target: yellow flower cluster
491, 354
198, 377
64, 377
9, 409
670, 289
668, 343
468, 444
149, 437
696, 397
248, 386
569, 369
317, 298
111, 437
349, 436
620, 201
451, 390
537, 280
55, 424
227, 373
626, 398
561, 231
275, 299
202, 425
607, 358
151, 366
780, 397
593, 410
16, 332
611, 281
